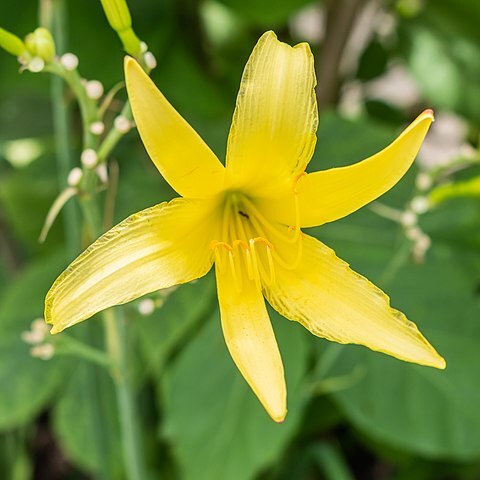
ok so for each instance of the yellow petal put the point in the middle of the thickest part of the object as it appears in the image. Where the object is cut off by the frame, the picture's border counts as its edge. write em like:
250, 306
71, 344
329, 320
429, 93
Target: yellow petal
251, 341
181, 156
275, 120
328, 195
156, 248
334, 302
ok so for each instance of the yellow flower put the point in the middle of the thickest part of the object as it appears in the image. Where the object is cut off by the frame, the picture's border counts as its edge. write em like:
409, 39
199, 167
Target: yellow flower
246, 218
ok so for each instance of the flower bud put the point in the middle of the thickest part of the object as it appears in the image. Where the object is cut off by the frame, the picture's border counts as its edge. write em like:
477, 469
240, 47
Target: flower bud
89, 158
75, 177
424, 181
122, 124
69, 61
11, 43
94, 89
150, 60
119, 18
419, 204
146, 306
36, 64
408, 219
117, 13
97, 128
40, 44
45, 351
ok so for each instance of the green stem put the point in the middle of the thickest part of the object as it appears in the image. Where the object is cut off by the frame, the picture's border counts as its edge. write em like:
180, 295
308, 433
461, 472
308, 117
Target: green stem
69, 346
113, 136
131, 439
331, 462
115, 327
116, 339
56, 22
61, 124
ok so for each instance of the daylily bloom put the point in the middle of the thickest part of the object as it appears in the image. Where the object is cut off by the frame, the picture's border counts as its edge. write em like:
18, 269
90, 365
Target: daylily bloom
246, 219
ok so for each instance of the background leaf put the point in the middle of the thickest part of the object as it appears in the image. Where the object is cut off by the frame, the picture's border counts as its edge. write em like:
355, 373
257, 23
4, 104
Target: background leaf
217, 427
27, 384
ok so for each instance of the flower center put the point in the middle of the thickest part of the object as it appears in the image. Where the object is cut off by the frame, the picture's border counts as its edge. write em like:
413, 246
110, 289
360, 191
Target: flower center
252, 246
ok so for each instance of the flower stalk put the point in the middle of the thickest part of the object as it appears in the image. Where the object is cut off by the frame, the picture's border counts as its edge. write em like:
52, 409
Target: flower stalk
115, 329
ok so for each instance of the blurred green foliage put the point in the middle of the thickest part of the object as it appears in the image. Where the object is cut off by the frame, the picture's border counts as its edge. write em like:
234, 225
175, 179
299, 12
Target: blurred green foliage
353, 413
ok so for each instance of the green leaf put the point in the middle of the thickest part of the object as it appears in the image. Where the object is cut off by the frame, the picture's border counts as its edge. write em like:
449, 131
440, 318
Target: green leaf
85, 421
429, 412
217, 426
163, 331
27, 383
445, 63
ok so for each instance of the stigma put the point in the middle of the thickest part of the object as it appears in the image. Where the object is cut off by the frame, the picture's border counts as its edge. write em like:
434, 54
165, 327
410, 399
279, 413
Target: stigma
251, 247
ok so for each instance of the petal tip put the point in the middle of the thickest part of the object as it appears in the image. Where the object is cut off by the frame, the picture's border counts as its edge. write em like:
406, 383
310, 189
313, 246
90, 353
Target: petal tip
428, 113
440, 363
279, 417
129, 64
56, 329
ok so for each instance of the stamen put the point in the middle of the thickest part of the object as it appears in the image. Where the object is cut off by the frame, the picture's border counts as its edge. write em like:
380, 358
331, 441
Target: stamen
259, 221
256, 273
214, 244
244, 227
237, 280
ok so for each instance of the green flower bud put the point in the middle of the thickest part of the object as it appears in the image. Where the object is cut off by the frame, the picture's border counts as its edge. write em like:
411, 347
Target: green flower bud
40, 44
119, 18
11, 43
117, 13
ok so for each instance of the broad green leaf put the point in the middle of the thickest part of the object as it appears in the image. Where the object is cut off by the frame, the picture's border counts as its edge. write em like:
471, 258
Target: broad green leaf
168, 327
217, 427
86, 425
27, 384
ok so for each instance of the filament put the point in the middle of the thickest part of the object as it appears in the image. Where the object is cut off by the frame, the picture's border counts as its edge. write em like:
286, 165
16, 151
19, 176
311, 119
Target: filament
245, 229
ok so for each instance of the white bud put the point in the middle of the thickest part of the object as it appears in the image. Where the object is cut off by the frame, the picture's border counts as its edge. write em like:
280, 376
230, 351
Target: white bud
423, 242
39, 325
36, 65
150, 60
69, 61
423, 181
97, 128
89, 158
32, 338
102, 173
408, 218
75, 177
146, 306
44, 352
122, 124
143, 47
94, 89
419, 205
420, 247
413, 233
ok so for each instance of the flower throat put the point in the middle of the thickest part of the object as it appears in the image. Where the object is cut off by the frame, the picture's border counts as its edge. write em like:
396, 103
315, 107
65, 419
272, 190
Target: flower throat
250, 244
